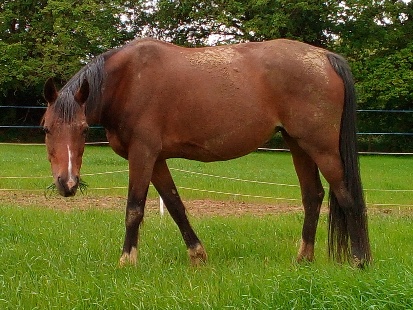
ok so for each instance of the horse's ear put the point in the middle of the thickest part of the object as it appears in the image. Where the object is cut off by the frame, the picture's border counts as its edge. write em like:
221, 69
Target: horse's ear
83, 93
50, 92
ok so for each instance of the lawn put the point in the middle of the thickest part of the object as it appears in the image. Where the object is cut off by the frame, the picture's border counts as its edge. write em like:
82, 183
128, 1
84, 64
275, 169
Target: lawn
66, 258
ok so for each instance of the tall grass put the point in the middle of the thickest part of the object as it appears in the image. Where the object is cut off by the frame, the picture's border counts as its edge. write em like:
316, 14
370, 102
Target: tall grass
68, 260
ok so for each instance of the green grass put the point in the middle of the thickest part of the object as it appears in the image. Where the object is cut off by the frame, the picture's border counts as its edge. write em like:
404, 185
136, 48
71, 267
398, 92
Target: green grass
68, 260
54, 259
379, 174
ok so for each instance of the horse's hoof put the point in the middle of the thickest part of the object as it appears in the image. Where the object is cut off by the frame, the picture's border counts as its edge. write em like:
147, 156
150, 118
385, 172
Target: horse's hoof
197, 255
360, 263
304, 259
306, 253
128, 258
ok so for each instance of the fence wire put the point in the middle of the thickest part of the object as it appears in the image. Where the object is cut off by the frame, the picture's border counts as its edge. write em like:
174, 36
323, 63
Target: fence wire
205, 175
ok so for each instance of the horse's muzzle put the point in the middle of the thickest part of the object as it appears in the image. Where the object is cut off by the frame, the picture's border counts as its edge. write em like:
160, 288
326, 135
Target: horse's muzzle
67, 188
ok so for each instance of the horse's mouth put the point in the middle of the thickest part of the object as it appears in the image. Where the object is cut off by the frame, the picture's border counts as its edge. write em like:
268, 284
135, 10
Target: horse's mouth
68, 193
67, 188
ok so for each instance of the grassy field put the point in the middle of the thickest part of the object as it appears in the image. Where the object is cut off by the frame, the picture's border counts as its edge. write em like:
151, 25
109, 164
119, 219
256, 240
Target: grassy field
67, 259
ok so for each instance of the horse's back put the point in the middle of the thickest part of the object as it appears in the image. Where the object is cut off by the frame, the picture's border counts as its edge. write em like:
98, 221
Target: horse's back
223, 102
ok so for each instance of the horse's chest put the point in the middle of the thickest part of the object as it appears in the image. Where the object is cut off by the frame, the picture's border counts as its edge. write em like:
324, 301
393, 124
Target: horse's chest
116, 144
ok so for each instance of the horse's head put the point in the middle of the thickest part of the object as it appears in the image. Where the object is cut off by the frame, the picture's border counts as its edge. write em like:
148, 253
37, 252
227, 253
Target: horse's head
65, 125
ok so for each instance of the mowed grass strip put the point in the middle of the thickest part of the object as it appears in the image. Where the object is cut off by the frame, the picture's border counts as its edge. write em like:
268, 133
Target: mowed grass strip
386, 179
68, 260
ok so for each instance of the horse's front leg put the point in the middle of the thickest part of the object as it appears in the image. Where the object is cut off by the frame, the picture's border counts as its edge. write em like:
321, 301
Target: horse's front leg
164, 184
134, 215
140, 172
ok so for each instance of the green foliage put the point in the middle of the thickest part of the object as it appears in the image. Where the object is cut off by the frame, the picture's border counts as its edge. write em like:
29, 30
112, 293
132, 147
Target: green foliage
376, 37
41, 39
193, 21
387, 80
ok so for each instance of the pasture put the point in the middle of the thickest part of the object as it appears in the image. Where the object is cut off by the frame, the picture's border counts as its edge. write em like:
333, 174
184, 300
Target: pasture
63, 253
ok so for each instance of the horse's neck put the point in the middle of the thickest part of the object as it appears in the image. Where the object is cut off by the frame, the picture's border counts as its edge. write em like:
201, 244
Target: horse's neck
94, 113
95, 73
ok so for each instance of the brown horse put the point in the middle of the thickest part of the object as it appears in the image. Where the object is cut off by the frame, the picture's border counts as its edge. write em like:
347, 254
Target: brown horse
159, 101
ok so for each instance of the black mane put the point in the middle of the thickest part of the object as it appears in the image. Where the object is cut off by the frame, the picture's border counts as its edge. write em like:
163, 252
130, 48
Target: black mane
65, 105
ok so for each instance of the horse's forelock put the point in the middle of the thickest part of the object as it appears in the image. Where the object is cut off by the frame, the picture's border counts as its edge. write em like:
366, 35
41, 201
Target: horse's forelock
65, 106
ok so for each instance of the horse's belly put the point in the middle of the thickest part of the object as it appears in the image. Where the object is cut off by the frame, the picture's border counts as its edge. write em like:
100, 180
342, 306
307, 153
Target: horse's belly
226, 145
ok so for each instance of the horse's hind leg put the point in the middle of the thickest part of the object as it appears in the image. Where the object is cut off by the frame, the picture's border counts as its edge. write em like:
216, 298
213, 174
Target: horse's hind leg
348, 221
164, 184
312, 193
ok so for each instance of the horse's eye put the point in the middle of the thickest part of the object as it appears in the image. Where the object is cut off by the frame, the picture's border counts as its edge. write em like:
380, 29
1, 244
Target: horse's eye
85, 130
46, 130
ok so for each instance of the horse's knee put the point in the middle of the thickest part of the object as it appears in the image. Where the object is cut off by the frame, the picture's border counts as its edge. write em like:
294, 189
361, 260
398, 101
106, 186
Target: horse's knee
133, 217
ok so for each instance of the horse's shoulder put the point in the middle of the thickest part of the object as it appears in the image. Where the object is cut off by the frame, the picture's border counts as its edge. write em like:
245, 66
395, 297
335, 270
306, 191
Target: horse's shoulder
149, 48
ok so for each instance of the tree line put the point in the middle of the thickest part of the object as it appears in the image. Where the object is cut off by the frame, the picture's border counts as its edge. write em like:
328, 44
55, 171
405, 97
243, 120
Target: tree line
54, 38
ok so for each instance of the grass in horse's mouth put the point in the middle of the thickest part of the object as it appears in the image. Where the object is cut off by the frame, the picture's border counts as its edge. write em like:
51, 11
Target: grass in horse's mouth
83, 186
49, 190
52, 188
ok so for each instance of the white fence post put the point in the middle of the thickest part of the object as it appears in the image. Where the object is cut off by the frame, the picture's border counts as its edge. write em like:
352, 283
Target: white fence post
161, 206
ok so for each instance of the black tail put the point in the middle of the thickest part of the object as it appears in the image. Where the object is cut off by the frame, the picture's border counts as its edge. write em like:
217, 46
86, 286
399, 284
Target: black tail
339, 234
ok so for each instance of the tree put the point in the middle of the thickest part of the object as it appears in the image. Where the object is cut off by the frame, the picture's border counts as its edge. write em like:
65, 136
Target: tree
192, 22
377, 38
43, 38
54, 38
